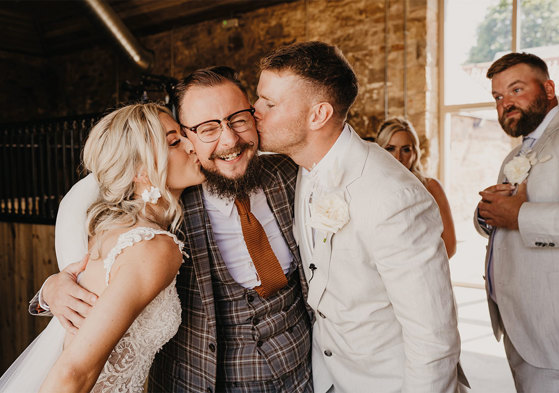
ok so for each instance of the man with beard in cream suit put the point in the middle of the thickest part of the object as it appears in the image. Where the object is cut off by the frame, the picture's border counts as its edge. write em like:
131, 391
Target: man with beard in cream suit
521, 218
368, 233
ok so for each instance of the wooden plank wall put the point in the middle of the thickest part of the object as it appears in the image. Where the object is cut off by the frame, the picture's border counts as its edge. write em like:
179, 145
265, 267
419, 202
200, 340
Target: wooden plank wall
27, 257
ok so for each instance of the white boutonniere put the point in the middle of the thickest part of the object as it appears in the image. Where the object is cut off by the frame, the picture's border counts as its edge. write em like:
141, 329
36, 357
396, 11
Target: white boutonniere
517, 169
329, 209
329, 212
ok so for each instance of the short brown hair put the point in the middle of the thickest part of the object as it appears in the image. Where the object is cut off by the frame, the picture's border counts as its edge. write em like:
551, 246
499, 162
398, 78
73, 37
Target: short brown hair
207, 77
515, 58
323, 65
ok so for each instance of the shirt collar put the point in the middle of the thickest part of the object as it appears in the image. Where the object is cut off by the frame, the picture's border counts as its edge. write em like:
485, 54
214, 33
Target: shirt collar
336, 152
545, 122
223, 205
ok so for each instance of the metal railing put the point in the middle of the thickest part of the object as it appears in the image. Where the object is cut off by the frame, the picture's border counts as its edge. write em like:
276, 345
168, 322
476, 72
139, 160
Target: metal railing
39, 163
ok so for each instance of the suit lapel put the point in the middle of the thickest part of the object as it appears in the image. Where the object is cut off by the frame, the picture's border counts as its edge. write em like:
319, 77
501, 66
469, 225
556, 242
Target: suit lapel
277, 189
197, 229
351, 165
548, 133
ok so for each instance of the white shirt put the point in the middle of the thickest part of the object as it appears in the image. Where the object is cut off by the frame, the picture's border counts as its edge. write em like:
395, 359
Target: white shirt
318, 178
228, 234
543, 125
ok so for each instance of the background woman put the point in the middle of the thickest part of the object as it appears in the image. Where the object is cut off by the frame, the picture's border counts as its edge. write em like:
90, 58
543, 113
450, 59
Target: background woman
398, 137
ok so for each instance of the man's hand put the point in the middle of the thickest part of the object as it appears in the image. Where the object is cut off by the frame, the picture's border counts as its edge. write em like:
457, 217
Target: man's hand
68, 301
499, 207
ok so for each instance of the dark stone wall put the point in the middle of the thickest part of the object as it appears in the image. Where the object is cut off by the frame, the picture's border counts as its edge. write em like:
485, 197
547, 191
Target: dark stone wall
89, 81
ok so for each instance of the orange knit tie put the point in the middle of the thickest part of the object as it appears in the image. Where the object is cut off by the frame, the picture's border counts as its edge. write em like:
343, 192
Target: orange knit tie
267, 265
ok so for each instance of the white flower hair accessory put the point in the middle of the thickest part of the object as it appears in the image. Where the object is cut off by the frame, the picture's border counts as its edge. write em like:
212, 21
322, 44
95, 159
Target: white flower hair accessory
517, 169
152, 195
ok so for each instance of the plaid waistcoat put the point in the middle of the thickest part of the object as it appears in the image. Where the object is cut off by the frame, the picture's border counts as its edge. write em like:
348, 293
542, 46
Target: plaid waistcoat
258, 339
188, 363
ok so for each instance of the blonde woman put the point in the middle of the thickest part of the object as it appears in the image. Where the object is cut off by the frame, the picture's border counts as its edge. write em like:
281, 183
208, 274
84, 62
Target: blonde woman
399, 138
141, 164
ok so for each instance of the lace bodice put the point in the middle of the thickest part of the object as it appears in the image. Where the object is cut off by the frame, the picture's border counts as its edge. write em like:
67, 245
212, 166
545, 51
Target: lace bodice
128, 365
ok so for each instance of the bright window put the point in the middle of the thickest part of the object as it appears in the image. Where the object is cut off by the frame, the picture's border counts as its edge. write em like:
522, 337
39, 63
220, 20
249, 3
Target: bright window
476, 33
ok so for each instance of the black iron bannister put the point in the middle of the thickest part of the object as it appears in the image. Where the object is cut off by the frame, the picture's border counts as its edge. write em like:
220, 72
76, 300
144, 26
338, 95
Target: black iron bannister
40, 162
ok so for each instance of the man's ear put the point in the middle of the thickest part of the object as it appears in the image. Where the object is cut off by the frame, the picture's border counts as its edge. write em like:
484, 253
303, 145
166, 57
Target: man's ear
549, 87
321, 112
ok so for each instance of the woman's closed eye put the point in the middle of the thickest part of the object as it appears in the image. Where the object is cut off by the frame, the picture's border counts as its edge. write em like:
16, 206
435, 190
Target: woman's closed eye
174, 142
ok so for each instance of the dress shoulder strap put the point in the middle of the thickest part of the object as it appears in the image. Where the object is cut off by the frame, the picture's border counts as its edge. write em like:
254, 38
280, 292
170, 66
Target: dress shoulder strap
133, 236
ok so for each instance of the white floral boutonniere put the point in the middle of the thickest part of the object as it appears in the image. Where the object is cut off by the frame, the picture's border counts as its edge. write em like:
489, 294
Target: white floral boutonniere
329, 212
517, 169
329, 209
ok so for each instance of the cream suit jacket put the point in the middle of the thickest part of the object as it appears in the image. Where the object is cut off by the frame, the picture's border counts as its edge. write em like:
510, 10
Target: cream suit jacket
526, 261
385, 315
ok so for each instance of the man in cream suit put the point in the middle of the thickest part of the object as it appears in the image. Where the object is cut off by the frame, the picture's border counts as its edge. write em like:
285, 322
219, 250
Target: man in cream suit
368, 233
522, 221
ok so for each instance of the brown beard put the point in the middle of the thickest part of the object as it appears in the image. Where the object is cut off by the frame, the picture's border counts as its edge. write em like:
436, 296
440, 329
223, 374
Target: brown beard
530, 118
239, 187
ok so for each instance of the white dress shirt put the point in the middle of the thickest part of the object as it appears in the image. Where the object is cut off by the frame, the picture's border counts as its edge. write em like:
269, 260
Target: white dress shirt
228, 234
318, 178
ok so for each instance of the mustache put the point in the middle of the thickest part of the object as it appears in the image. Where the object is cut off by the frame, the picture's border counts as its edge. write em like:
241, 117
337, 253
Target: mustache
238, 148
512, 108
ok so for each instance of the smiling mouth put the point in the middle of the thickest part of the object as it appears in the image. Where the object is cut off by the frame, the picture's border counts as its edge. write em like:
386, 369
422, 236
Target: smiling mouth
230, 156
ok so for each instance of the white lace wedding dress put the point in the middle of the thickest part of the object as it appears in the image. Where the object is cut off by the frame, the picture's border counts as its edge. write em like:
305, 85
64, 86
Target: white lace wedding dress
128, 365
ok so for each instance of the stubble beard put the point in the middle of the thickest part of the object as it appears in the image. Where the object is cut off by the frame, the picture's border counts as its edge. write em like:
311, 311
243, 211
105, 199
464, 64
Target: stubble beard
290, 146
530, 118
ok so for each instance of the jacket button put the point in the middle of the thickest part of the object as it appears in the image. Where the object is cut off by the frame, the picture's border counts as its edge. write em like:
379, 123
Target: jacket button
328, 353
255, 321
259, 344
212, 347
250, 298
551, 244
538, 244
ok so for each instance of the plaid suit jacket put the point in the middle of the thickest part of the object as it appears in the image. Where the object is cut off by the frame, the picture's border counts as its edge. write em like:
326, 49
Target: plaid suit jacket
188, 363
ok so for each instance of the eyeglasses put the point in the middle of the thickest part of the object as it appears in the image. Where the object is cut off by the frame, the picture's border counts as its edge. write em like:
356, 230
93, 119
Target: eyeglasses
210, 130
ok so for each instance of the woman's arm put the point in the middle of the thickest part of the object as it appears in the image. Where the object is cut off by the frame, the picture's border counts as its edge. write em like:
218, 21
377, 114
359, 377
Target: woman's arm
449, 234
139, 274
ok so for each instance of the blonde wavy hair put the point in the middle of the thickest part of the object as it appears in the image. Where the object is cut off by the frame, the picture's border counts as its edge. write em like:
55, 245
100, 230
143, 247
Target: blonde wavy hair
394, 124
123, 143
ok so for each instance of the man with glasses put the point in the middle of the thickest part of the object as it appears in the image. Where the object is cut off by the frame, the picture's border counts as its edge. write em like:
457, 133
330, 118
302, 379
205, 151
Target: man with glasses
245, 326
248, 330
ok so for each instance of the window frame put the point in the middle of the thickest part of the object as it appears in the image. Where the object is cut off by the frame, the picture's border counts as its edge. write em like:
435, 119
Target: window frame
445, 111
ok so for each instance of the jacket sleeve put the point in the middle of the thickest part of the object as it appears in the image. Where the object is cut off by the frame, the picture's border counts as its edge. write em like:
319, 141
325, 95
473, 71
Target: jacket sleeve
538, 223
413, 265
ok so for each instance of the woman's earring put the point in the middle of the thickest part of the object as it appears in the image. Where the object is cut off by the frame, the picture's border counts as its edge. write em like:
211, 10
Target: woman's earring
152, 195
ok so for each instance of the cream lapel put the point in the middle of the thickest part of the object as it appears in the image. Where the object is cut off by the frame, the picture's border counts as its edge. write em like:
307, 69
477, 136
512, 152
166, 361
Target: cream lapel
550, 130
351, 164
